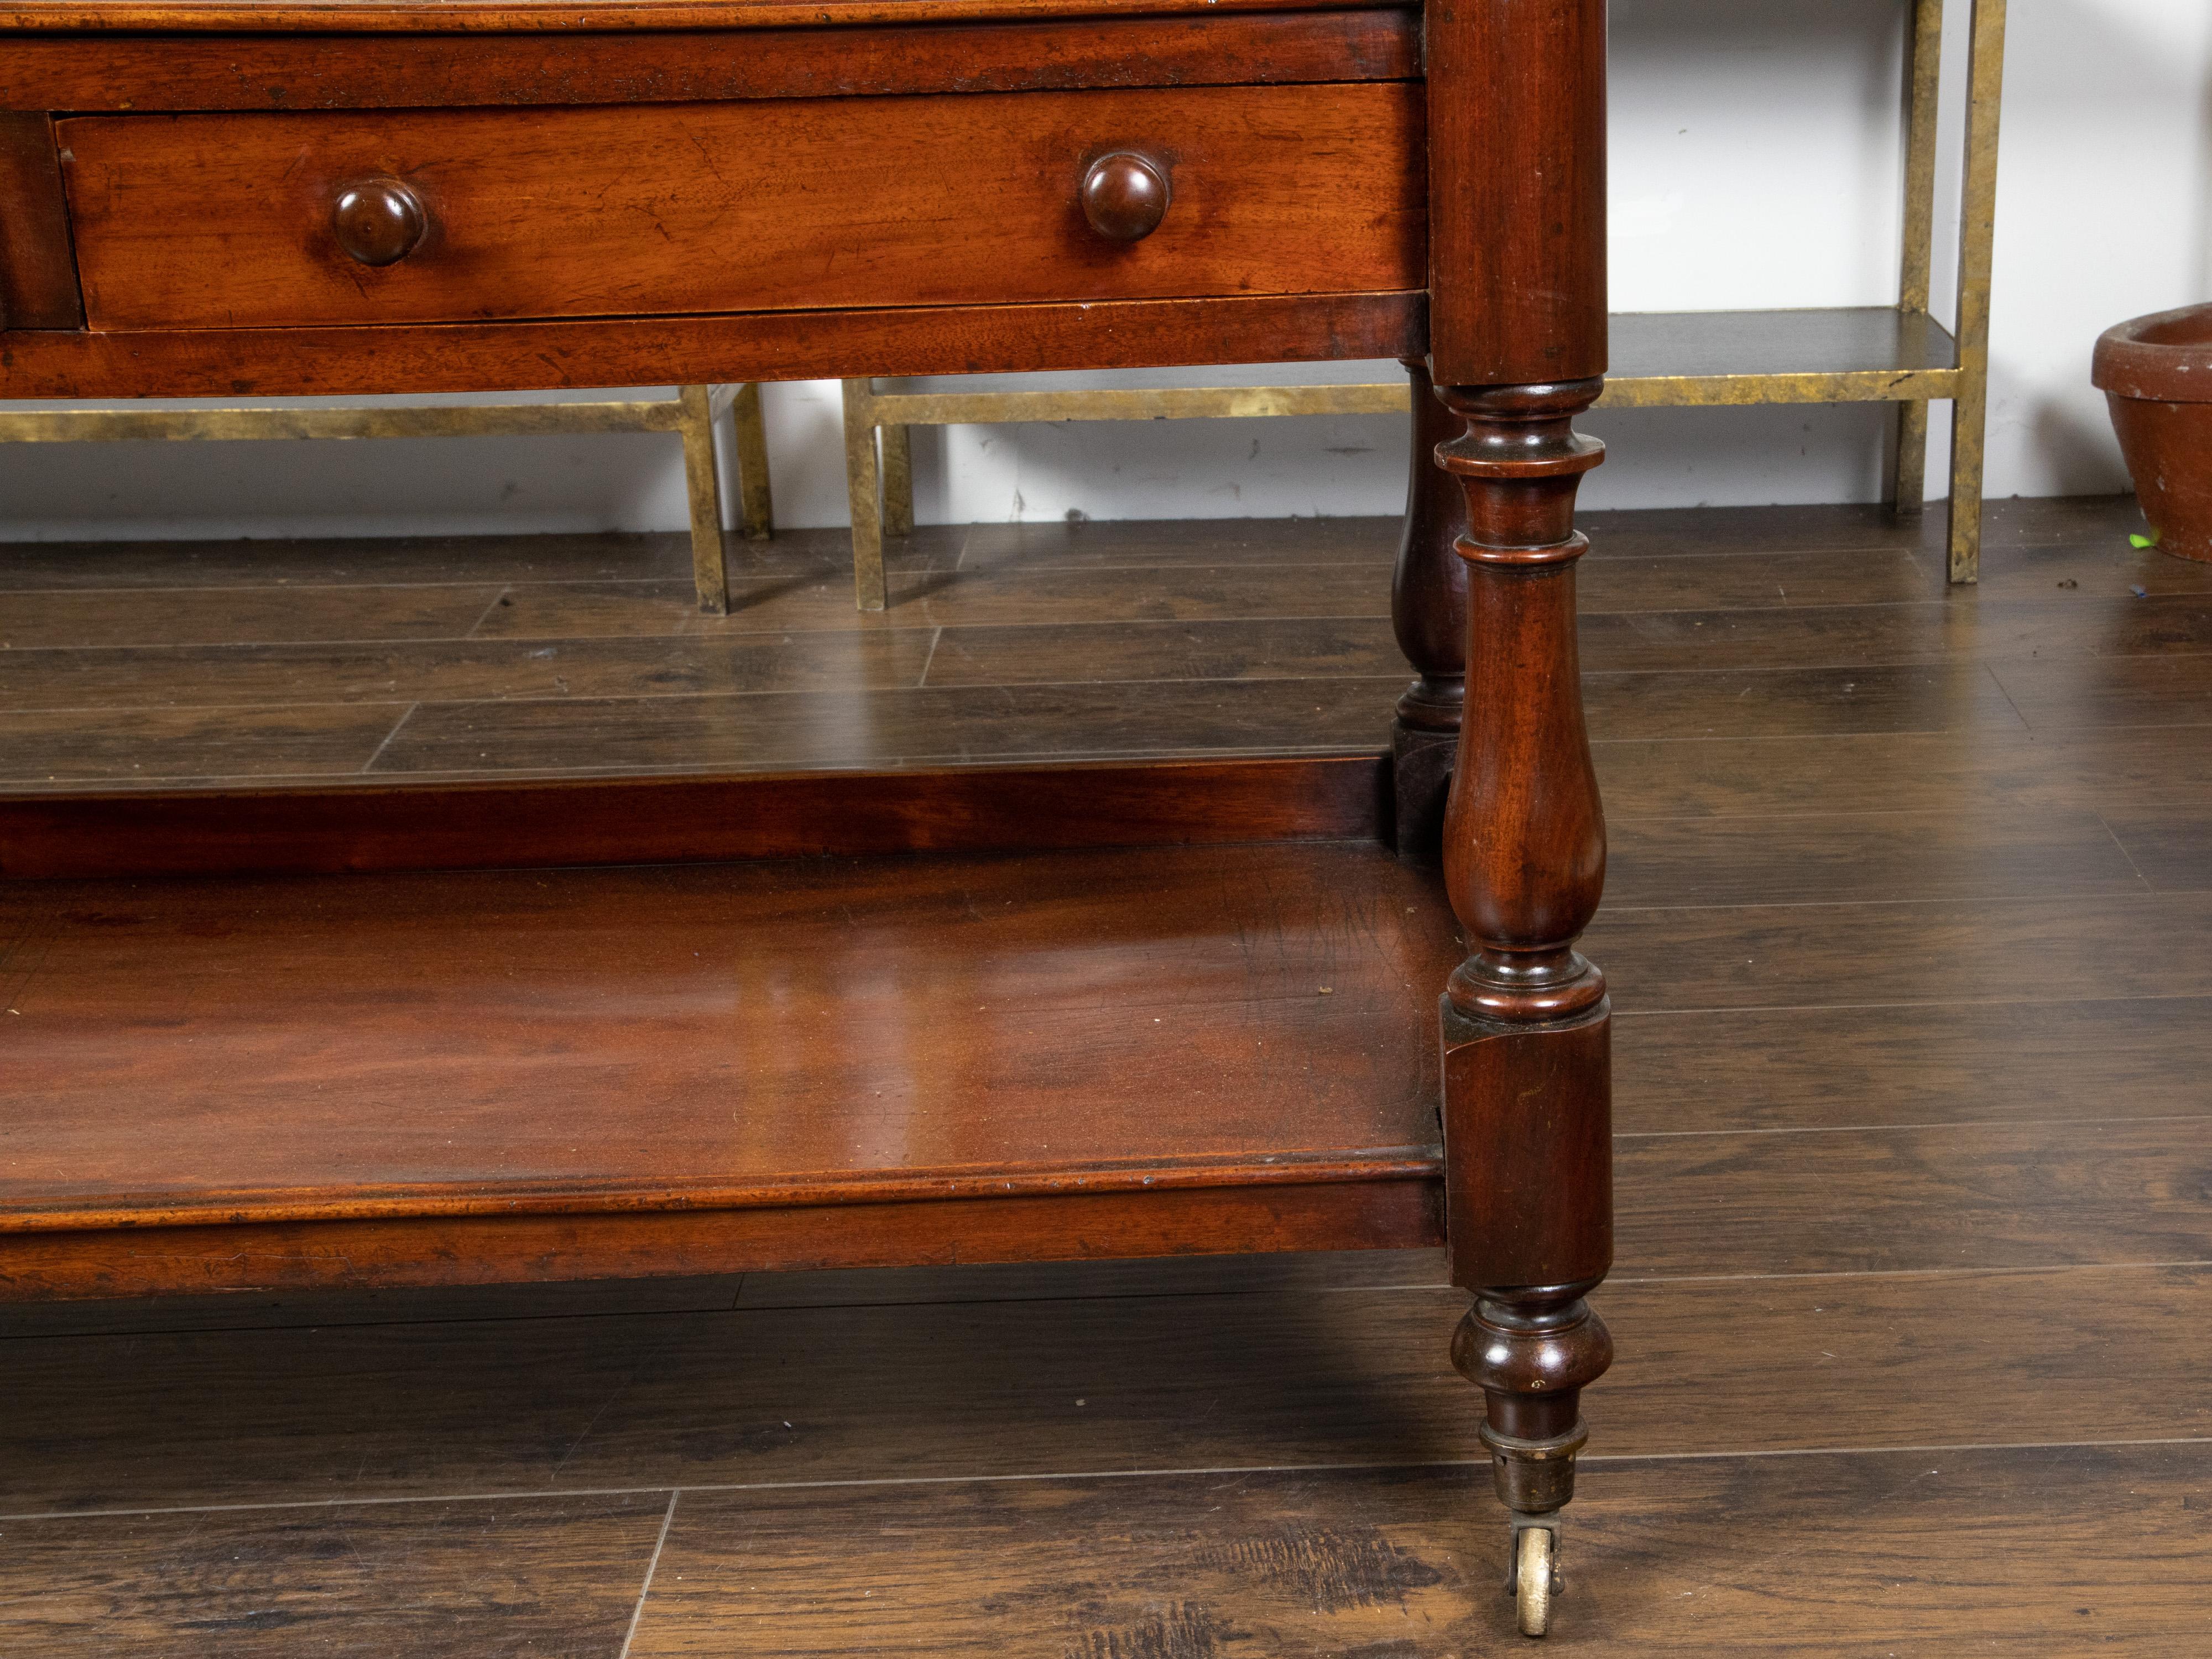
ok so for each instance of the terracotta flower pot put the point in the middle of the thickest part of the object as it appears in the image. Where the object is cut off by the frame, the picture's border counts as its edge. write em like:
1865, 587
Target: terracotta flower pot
2156, 372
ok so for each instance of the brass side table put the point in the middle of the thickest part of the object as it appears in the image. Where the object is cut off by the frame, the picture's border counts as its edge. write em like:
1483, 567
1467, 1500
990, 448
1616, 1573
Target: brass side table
692, 413
1896, 354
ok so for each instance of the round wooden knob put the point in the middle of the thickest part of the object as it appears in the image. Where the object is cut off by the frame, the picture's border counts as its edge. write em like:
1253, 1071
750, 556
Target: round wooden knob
378, 221
1125, 197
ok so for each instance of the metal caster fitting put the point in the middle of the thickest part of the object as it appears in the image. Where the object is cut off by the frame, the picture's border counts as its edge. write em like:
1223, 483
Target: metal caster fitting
1532, 1572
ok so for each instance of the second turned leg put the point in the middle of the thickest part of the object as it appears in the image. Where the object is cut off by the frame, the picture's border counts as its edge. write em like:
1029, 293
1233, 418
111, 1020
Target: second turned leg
1428, 612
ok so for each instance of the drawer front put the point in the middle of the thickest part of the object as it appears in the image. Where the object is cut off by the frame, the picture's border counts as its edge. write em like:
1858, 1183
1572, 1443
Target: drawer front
236, 220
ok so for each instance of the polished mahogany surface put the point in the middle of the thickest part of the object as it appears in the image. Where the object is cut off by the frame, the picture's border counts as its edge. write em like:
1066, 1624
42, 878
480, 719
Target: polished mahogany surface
37, 282
779, 204
739, 1034
518, 824
790, 345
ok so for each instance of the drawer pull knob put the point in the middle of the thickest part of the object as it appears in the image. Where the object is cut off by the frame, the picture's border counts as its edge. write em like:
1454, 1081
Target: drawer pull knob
1125, 196
379, 222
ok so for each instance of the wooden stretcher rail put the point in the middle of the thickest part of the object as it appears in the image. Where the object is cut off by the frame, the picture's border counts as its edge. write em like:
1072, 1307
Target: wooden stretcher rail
1403, 1213
687, 819
830, 1190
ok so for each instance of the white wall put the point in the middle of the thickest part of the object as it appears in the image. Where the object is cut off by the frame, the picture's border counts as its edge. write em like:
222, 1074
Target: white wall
1755, 163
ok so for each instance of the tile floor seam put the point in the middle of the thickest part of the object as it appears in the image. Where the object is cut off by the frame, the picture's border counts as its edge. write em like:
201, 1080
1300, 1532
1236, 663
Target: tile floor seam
1164, 1473
406, 714
504, 596
653, 1563
2150, 886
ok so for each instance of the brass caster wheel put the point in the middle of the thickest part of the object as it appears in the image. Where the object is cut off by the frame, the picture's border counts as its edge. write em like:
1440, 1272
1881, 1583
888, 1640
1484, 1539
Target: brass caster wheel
1536, 1577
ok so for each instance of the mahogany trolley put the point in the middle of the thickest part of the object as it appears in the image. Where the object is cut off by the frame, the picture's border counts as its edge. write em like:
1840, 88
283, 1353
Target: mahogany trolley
967, 1015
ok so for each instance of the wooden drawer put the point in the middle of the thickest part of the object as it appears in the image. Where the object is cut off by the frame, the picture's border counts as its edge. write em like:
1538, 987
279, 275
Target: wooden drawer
227, 220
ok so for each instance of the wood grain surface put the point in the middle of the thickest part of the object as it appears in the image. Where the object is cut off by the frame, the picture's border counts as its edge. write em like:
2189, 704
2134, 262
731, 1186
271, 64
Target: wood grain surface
1520, 290
969, 199
440, 1578
1887, 1553
678, 1030
1890, 1065
38, 276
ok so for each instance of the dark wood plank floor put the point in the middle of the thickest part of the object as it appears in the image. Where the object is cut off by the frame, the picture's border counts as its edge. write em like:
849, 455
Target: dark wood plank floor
1910, 927
125, 665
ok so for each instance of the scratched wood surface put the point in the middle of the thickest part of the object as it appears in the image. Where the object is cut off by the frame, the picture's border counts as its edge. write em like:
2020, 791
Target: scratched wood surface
1915, 980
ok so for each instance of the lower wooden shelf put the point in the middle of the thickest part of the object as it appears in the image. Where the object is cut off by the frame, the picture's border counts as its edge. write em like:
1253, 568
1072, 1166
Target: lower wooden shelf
245, 1082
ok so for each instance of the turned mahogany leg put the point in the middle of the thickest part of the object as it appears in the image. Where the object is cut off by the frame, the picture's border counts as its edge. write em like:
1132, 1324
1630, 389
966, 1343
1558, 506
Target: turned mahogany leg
1528, 1102
1428, 610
